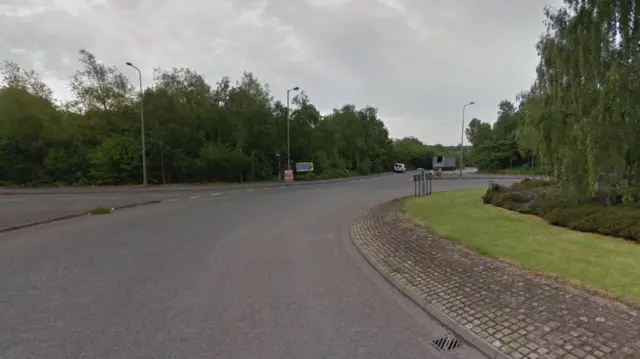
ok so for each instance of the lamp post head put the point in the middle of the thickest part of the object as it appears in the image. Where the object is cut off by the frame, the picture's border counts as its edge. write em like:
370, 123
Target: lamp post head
471, 103
296, 88
129, 64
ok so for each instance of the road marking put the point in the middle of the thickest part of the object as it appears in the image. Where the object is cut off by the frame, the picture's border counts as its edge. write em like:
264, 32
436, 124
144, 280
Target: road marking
194, 197
215, 194
251, 190
234, 191
172, 200
266, 188
12, 200
75, 198
163, 195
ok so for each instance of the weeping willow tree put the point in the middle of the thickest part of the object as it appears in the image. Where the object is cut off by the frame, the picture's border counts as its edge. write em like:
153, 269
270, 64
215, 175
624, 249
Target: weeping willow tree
582, 114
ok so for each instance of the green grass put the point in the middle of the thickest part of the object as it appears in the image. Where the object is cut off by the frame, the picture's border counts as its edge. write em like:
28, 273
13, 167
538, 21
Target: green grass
514, 171
100, 210
607, 264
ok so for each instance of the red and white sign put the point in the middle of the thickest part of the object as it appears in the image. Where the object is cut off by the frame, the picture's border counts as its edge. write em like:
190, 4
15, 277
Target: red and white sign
288, 175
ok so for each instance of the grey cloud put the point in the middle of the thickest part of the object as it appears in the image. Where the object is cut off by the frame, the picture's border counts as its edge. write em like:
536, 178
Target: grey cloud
416, 60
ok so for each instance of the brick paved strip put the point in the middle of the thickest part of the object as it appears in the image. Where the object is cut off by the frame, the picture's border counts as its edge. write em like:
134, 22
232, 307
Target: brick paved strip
521, 315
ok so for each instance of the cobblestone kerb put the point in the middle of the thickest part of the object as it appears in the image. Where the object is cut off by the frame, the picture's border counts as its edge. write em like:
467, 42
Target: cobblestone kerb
514, 312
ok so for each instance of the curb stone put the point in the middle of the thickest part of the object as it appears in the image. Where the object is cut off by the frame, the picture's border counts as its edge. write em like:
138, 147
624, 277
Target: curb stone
472, 339
70, 216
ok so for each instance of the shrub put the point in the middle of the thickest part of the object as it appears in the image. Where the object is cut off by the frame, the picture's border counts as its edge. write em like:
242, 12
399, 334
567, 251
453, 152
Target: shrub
590, 215
305, 176
529, 183
630, 195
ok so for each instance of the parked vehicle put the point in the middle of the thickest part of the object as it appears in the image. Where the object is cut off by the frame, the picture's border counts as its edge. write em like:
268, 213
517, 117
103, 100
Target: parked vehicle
444, 163
399, 168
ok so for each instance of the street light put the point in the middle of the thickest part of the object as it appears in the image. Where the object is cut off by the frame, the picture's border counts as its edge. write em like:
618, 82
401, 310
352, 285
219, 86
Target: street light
144, 154
288, 130
462, 134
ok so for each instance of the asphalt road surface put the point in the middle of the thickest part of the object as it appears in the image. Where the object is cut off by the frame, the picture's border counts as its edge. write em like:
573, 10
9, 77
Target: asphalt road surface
19, 206
251, 274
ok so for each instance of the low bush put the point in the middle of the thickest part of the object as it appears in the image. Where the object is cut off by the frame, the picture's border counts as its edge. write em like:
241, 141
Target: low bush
546, 200
529, 183
305, 176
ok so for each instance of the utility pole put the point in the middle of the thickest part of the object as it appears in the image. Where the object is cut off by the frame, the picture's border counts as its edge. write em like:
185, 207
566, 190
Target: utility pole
144, 151
462, 134
288, 130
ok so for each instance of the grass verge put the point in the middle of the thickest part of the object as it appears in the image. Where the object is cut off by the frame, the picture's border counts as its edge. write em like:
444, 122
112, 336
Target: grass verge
513, 171
100, 210
598, 262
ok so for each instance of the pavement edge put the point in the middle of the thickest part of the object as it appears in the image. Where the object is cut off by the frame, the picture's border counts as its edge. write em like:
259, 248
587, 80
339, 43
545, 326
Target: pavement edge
97, 190
70, 216
472, 339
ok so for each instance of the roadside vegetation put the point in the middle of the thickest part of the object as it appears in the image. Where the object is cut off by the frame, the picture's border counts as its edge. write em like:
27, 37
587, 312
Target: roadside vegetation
580, 120
610, 212
598, 262
195, 132
100, 210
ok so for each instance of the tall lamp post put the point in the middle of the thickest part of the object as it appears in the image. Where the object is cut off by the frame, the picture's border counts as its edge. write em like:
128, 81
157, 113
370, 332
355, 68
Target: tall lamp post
144, 152
462, 134
288, 130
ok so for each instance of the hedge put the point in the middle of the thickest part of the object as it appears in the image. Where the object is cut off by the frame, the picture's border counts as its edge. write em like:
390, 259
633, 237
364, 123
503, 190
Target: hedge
547, 200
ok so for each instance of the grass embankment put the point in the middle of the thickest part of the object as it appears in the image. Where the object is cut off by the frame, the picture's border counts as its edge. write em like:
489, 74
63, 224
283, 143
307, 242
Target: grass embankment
599, 262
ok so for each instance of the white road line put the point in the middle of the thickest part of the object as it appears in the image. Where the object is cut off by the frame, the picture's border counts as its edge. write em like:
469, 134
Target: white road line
75, 198
163, 195
234, 191
215, 194
266, 188
194, 197
250, 190
172, 200
2, 200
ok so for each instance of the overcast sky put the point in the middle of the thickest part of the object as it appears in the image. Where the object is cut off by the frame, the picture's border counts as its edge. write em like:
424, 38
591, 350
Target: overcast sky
418, 61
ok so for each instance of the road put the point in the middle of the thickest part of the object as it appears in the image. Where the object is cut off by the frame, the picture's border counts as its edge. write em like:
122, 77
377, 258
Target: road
19, 206
261, 274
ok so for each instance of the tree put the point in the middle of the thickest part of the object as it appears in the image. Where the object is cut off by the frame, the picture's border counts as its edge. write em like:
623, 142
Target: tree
496, 147
581, 116
194, 132
478, 132
14, 76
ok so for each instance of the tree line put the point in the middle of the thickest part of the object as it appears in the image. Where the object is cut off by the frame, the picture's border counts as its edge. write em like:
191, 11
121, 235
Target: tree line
580, 119
194, 132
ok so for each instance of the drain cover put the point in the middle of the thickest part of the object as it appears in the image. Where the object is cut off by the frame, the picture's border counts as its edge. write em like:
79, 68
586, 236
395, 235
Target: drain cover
446, 343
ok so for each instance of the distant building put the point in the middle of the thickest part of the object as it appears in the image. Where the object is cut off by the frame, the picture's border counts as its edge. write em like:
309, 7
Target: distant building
444, 163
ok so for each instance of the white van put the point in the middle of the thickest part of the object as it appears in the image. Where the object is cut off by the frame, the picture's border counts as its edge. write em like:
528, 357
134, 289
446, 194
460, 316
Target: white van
399, 168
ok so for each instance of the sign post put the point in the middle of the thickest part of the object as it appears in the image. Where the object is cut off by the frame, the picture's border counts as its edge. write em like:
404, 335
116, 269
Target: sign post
279, 170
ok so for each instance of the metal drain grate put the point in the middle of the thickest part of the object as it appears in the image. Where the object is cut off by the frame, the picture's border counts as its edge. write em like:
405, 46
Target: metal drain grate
446, 343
